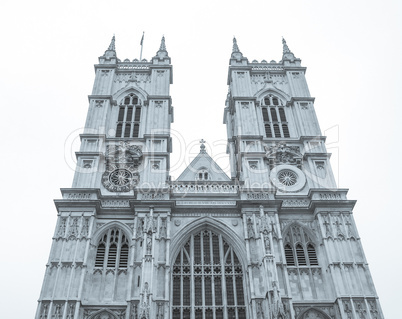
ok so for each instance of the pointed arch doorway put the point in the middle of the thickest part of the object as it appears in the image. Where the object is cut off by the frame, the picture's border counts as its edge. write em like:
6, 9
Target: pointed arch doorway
207, 280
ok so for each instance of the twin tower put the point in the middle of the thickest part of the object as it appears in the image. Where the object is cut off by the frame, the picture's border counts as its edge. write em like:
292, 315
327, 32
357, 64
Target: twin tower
274, 240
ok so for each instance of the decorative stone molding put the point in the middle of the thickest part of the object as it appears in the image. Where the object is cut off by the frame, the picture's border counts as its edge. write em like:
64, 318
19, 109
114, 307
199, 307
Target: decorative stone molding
295, 203
258, 196
152, 196
281, 153
204, 189
115, 203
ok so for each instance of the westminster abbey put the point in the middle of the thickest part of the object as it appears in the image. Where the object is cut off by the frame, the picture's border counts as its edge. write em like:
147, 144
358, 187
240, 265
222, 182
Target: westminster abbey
274, 239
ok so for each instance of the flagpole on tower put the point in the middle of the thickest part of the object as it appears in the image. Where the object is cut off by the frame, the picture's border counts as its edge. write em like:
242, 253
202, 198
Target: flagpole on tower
141, 43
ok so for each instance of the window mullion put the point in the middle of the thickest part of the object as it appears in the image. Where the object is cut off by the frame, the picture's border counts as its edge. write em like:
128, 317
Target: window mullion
192, 284
124, 121
119, 239
107, 244
223, 279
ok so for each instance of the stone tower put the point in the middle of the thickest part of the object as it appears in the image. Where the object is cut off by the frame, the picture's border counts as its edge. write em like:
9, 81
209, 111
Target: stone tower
276, 239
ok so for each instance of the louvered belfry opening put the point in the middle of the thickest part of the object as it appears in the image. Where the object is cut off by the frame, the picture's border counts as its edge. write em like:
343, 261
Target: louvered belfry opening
112, 250
207, 280
299, 248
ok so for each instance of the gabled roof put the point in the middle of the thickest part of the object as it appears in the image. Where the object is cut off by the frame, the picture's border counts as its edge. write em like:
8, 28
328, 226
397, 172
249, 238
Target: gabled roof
203, 162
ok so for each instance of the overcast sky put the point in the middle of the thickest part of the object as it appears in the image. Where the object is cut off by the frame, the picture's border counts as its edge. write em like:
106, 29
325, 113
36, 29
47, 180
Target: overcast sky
352, 50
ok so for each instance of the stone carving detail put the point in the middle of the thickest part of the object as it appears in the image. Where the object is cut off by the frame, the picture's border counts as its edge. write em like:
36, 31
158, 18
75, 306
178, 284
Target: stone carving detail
304, 106
267, 243
79, 196
276, 305
122, 161
327, 225
260, 312
62, 227
349, 226
149, 244
330, 196
140, 227
99, 103
210, 188
373, 309
43, 313
115, 203
152, 196
360, 309
58, 311
339, 232
347, 308
158, 104
281, 153
70, 311
73, 228
163, 229
161, 310
244, 105
133, 313
259, 196
295, 203
85, 227
250, 228
104, 72
144, 303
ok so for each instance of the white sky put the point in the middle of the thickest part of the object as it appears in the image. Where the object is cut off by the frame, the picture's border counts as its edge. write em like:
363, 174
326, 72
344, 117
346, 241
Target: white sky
352, 50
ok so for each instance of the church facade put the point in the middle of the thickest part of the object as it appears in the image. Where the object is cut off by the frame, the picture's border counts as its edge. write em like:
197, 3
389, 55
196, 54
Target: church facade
275, 239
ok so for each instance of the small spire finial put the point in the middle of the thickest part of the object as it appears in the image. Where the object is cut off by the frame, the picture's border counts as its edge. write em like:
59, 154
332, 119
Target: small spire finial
285, 46
163, 45
112, 46
202, 147
235, 46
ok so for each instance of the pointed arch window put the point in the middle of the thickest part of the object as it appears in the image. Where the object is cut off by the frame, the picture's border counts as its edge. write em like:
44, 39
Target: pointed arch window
129, 117
207, 280
299, 248
274, 117
112, 250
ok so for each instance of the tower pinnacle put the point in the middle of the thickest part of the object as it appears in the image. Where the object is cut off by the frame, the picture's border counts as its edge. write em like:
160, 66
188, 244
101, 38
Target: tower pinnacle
285, 46
112, 46
236, 54
287, 54
110, 53
163, 45
162, 53
235, 46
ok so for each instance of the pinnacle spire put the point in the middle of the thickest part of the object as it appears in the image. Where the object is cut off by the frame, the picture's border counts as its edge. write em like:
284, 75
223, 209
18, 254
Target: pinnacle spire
235, 46
112, 46
163, 45
287, 54
285, 46
236, 54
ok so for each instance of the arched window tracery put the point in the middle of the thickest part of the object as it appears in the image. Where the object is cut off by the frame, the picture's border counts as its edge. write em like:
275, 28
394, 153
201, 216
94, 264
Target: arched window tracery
129, 117
274, 117
207, 280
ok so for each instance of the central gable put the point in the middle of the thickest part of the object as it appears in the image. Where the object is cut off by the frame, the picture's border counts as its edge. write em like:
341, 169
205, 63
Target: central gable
203, 168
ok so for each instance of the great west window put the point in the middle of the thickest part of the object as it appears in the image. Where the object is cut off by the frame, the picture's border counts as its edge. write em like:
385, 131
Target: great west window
207, 280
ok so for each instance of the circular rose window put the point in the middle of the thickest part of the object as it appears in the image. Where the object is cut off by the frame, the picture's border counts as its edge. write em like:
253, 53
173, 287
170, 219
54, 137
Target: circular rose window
120, 177
287, 178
